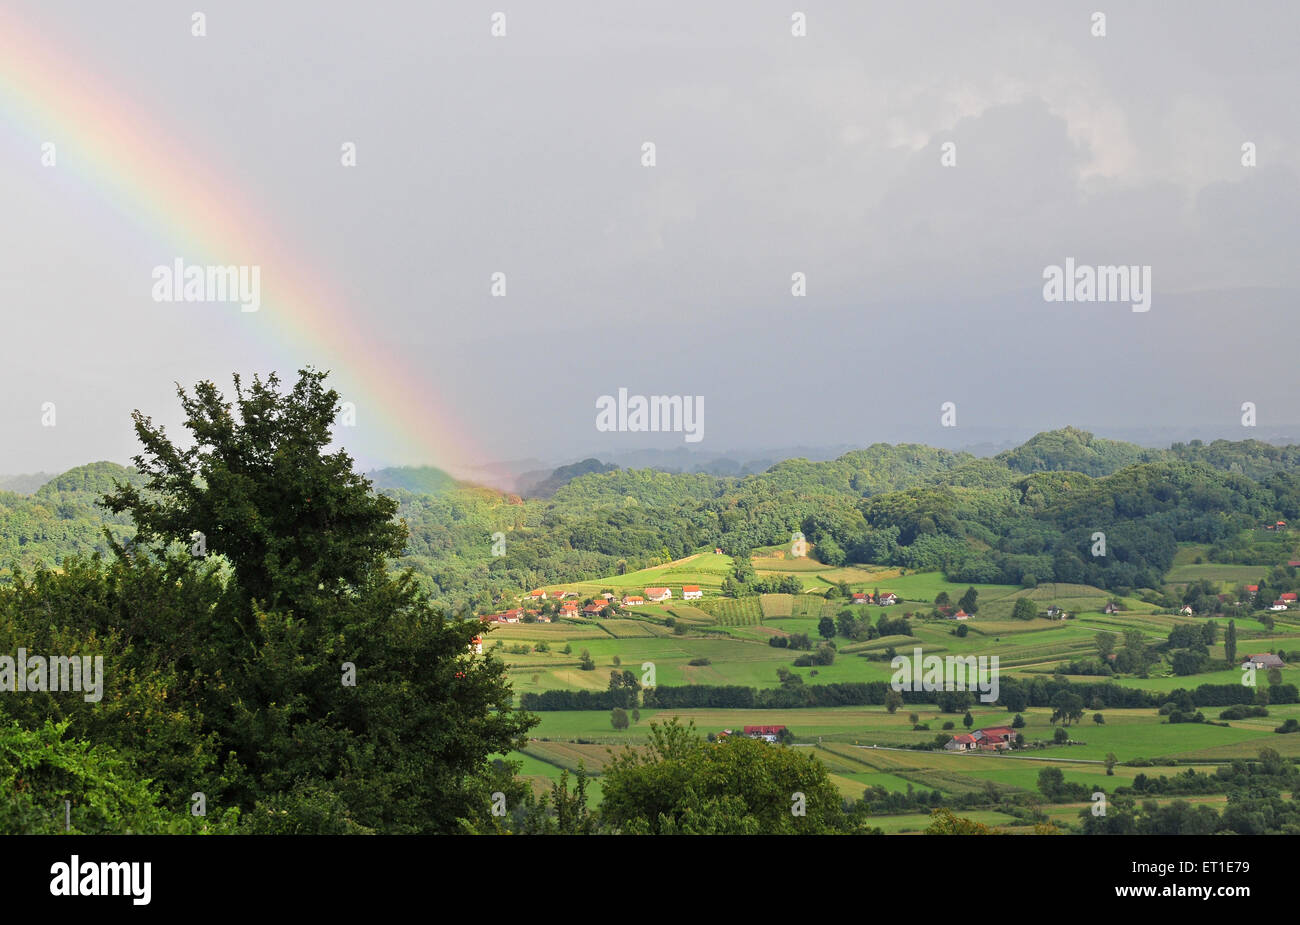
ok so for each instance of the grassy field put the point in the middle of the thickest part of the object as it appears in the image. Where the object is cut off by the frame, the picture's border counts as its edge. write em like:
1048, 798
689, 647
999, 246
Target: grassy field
866, 746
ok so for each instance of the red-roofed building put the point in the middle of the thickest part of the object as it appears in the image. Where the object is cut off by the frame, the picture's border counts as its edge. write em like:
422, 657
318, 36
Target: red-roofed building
538, 595
994, 737
1288, 596
961, 743
509, 616
594, 609
961, 615
569, 609
767, 733
658, 594
633, 600
887, 598
691, 592
859, 598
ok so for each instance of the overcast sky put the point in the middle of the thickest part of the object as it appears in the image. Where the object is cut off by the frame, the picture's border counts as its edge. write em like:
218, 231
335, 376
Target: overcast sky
775, 154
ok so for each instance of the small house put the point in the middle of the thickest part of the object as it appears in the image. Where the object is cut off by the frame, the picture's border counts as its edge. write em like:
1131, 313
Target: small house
1263, 660
766, 733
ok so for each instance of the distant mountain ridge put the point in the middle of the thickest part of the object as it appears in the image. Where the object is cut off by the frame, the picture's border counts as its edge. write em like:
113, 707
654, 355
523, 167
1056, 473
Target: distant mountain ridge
546, 487
419, 479
25, 484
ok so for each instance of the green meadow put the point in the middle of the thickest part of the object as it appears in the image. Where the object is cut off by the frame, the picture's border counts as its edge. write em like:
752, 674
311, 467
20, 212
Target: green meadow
866, 746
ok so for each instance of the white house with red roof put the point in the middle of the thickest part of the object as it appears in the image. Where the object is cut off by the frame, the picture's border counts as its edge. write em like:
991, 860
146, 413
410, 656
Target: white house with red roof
886, 598
658, 594
633, 600
766, 733
508, 616
961, 743
691, 593
861, 598
538, 595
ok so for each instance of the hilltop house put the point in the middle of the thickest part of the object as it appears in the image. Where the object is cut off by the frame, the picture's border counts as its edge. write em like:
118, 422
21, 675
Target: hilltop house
1252, 589
887, 598
861, 598
633, 600
538, 595
960, 615
1288, 596
691, 592
1277, 605
658, 594
1186, 610
1264, 660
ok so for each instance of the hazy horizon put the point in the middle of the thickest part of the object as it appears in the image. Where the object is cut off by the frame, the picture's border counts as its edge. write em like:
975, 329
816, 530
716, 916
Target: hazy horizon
775, 154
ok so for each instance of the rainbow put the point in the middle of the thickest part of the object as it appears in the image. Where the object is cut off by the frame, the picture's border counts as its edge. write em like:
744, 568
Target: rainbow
149, 177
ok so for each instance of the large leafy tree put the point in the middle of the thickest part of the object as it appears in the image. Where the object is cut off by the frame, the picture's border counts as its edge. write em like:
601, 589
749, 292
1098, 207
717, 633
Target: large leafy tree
300, 527
341, 699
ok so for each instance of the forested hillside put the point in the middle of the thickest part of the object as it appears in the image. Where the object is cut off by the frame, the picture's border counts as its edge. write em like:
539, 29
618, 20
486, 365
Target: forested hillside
61, 518
1025, 516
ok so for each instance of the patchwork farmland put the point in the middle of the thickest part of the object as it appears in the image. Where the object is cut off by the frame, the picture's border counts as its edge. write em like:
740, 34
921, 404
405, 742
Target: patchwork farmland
888, 753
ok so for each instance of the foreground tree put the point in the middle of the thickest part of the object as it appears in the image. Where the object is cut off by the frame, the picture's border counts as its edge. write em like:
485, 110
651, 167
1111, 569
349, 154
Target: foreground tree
341, 701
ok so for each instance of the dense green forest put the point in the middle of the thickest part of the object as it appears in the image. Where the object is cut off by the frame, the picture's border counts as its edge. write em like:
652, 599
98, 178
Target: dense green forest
1025, 516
